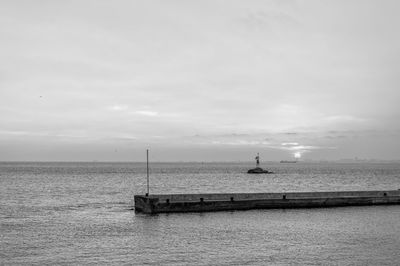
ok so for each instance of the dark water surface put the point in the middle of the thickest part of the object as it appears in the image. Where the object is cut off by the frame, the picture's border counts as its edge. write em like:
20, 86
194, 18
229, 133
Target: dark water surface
81, 213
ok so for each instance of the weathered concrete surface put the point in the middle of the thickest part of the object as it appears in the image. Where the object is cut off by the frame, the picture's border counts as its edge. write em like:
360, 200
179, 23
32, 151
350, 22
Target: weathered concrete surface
246, 201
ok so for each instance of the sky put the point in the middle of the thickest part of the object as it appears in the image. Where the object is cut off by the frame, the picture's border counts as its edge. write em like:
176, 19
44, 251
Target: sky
199, 80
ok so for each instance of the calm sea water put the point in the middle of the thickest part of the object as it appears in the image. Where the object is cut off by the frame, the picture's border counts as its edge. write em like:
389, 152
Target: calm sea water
81, 213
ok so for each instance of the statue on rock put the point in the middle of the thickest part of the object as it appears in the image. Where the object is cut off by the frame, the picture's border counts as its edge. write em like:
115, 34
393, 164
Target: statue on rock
258, 169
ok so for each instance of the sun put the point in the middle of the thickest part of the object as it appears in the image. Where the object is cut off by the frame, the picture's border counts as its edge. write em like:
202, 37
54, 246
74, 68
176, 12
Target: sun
297, 155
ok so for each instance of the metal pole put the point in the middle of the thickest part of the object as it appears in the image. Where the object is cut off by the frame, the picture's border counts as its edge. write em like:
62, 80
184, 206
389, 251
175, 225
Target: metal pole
148, 189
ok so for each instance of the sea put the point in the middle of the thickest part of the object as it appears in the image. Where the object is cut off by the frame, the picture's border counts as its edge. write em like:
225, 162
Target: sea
70, 213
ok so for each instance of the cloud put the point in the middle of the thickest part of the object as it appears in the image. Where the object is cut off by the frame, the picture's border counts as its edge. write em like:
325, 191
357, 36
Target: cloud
122, 138
301, 148
344, 118
290, 144
125, 108
146, 113
240, 142
41, 134
118, 107
14, 132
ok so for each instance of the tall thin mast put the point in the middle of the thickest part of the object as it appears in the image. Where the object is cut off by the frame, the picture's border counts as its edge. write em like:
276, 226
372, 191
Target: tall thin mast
148, 188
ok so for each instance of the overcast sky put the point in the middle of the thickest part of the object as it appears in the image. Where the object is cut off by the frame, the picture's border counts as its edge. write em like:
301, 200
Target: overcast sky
199, 80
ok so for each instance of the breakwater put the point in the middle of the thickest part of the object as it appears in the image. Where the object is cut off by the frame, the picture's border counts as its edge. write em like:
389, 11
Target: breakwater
164, 203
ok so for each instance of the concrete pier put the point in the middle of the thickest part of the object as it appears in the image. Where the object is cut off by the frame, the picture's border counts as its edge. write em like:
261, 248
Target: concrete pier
165, 203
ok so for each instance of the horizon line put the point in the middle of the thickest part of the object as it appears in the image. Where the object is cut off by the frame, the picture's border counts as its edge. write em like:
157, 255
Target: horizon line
344, 160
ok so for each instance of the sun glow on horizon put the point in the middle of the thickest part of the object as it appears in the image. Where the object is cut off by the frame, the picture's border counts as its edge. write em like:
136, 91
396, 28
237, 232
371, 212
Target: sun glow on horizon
297, 155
